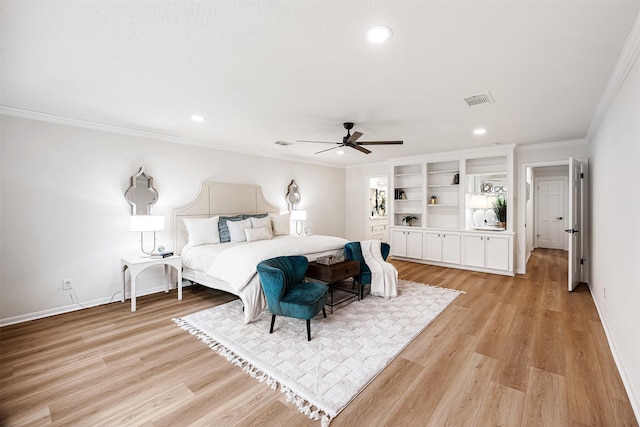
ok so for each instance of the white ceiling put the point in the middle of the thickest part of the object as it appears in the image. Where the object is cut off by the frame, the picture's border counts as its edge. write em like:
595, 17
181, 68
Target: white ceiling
285, 70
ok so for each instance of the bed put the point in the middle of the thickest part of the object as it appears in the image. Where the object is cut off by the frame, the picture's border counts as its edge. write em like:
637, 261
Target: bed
230, 266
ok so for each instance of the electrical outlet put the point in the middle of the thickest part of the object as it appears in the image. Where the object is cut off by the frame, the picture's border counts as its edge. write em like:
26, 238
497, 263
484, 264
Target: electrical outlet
66, 284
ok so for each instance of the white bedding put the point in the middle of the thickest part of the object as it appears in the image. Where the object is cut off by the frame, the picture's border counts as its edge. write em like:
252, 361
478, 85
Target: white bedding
235, 263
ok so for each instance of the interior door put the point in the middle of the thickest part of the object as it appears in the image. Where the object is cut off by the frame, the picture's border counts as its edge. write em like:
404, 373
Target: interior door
576, 215
550, 224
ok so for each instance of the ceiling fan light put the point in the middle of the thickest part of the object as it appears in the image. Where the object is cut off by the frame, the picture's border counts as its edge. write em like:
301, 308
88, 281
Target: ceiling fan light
340, 152
479, 131
197, 118
379, 34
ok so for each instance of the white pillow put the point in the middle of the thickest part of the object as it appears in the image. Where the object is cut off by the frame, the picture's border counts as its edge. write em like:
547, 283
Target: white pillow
236, 230
202, 231
280, 224
262, 223
262, 233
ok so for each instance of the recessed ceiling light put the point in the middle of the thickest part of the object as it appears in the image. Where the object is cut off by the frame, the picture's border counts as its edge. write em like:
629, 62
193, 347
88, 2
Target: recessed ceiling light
285, 143
379, 34
479, 131
196, 118
340, 152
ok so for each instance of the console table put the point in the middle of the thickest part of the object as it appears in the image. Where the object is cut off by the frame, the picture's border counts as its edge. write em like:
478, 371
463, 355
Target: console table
137, 265
335, 273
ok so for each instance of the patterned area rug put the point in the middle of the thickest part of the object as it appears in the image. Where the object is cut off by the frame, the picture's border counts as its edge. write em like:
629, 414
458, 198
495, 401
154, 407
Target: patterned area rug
347, 350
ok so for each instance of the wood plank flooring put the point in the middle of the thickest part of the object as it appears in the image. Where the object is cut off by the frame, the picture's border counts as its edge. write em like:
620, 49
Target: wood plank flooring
512, 351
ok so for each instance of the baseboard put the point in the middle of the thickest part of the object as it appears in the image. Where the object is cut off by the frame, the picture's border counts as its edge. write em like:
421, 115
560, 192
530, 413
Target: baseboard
628, 385
73, 307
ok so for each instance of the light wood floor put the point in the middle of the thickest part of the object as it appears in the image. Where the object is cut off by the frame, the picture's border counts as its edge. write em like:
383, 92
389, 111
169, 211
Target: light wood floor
512, 351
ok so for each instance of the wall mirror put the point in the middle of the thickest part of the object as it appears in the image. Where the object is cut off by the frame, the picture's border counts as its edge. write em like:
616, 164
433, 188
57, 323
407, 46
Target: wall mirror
141, 195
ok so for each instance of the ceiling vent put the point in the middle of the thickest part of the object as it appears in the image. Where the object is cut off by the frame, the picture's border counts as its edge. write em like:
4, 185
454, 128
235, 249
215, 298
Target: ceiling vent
483, 98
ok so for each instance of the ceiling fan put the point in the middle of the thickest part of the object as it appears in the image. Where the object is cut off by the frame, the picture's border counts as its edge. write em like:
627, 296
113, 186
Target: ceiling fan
352, 141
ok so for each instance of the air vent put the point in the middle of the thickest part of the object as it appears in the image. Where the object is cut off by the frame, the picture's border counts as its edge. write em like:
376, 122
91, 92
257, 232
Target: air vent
285, 143
483, 98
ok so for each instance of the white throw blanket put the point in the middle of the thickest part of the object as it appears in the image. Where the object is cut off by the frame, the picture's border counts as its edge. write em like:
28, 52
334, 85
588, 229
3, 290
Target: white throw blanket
384, 276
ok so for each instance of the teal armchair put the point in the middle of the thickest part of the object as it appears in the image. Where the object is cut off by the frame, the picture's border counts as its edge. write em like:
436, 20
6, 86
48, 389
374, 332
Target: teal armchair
353, 251
287, 294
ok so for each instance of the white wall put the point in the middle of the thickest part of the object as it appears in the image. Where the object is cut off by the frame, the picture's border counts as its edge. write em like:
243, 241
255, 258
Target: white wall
615, 248
64, 214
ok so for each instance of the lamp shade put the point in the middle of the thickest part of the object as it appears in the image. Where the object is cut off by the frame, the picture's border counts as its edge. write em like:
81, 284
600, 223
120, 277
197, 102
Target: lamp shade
147, 223
478, 201
298, 215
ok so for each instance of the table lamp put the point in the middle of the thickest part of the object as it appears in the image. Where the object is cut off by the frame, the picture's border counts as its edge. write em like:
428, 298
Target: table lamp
144, 223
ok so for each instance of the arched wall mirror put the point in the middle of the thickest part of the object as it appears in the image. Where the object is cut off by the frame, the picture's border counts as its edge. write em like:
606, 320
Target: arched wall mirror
141, 195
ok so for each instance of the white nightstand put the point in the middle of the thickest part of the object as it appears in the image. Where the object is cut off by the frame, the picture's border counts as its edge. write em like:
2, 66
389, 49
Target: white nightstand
136, 265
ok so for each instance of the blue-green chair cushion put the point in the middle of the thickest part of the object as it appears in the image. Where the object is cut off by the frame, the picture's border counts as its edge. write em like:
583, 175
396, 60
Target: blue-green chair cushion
286, 292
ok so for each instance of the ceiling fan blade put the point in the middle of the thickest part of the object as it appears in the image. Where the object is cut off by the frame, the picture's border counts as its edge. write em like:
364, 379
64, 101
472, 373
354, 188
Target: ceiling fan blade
380, 142
328, 149
354, 137
357, 147
318, 142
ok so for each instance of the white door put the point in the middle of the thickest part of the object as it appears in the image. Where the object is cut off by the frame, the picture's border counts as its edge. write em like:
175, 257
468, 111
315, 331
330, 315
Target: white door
473, 250
451, 248
432, 246
497, 252
576, 213
550, 214
414, 244
399, 243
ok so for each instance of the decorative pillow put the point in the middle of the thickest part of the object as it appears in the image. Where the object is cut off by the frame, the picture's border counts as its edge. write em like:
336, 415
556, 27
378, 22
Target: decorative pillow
262, 223
280, 224
223, 229
236, 230
261, 215
202, 231
262, 233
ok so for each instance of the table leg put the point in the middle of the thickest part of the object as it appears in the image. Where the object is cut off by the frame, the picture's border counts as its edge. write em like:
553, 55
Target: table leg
133, 293
331, 291
179, 283
167, 278
124, 283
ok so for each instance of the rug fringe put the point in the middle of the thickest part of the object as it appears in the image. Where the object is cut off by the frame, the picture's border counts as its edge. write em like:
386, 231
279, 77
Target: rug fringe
304, 406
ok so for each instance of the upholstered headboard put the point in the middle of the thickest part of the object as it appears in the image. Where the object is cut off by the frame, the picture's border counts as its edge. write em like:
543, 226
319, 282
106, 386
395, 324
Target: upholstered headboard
219, 199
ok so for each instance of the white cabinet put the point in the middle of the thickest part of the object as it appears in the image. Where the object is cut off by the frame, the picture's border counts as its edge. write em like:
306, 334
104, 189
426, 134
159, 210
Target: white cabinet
406, 244
441, 247
486, 251
377, 229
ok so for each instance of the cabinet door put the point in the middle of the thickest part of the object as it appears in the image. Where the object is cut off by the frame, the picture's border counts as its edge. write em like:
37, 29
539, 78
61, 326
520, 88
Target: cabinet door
497, 252
399, 243
451, 248
414, 244
431, 246
473, 250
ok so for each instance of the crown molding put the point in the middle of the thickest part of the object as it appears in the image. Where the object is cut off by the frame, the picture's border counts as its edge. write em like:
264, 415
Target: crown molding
86, 124
551, 145
628, 56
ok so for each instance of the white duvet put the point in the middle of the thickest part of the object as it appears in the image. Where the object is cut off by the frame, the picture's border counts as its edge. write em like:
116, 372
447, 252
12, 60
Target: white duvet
237, 264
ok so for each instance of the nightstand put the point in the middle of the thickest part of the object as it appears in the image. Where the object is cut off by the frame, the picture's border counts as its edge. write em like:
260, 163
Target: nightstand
137, 265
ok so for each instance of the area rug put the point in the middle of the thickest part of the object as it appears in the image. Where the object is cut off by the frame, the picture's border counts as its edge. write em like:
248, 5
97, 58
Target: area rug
347, 350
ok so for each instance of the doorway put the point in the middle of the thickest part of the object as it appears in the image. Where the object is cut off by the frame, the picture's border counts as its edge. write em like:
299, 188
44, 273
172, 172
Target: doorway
377, 224
574, 219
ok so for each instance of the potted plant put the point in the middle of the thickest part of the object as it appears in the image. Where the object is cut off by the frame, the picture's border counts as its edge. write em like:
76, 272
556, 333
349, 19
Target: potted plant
409, 219
500, 209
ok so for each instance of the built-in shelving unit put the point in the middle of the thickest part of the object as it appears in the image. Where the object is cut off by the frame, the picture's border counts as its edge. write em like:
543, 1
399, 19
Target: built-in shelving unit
443, 194
408, 194
452, 196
